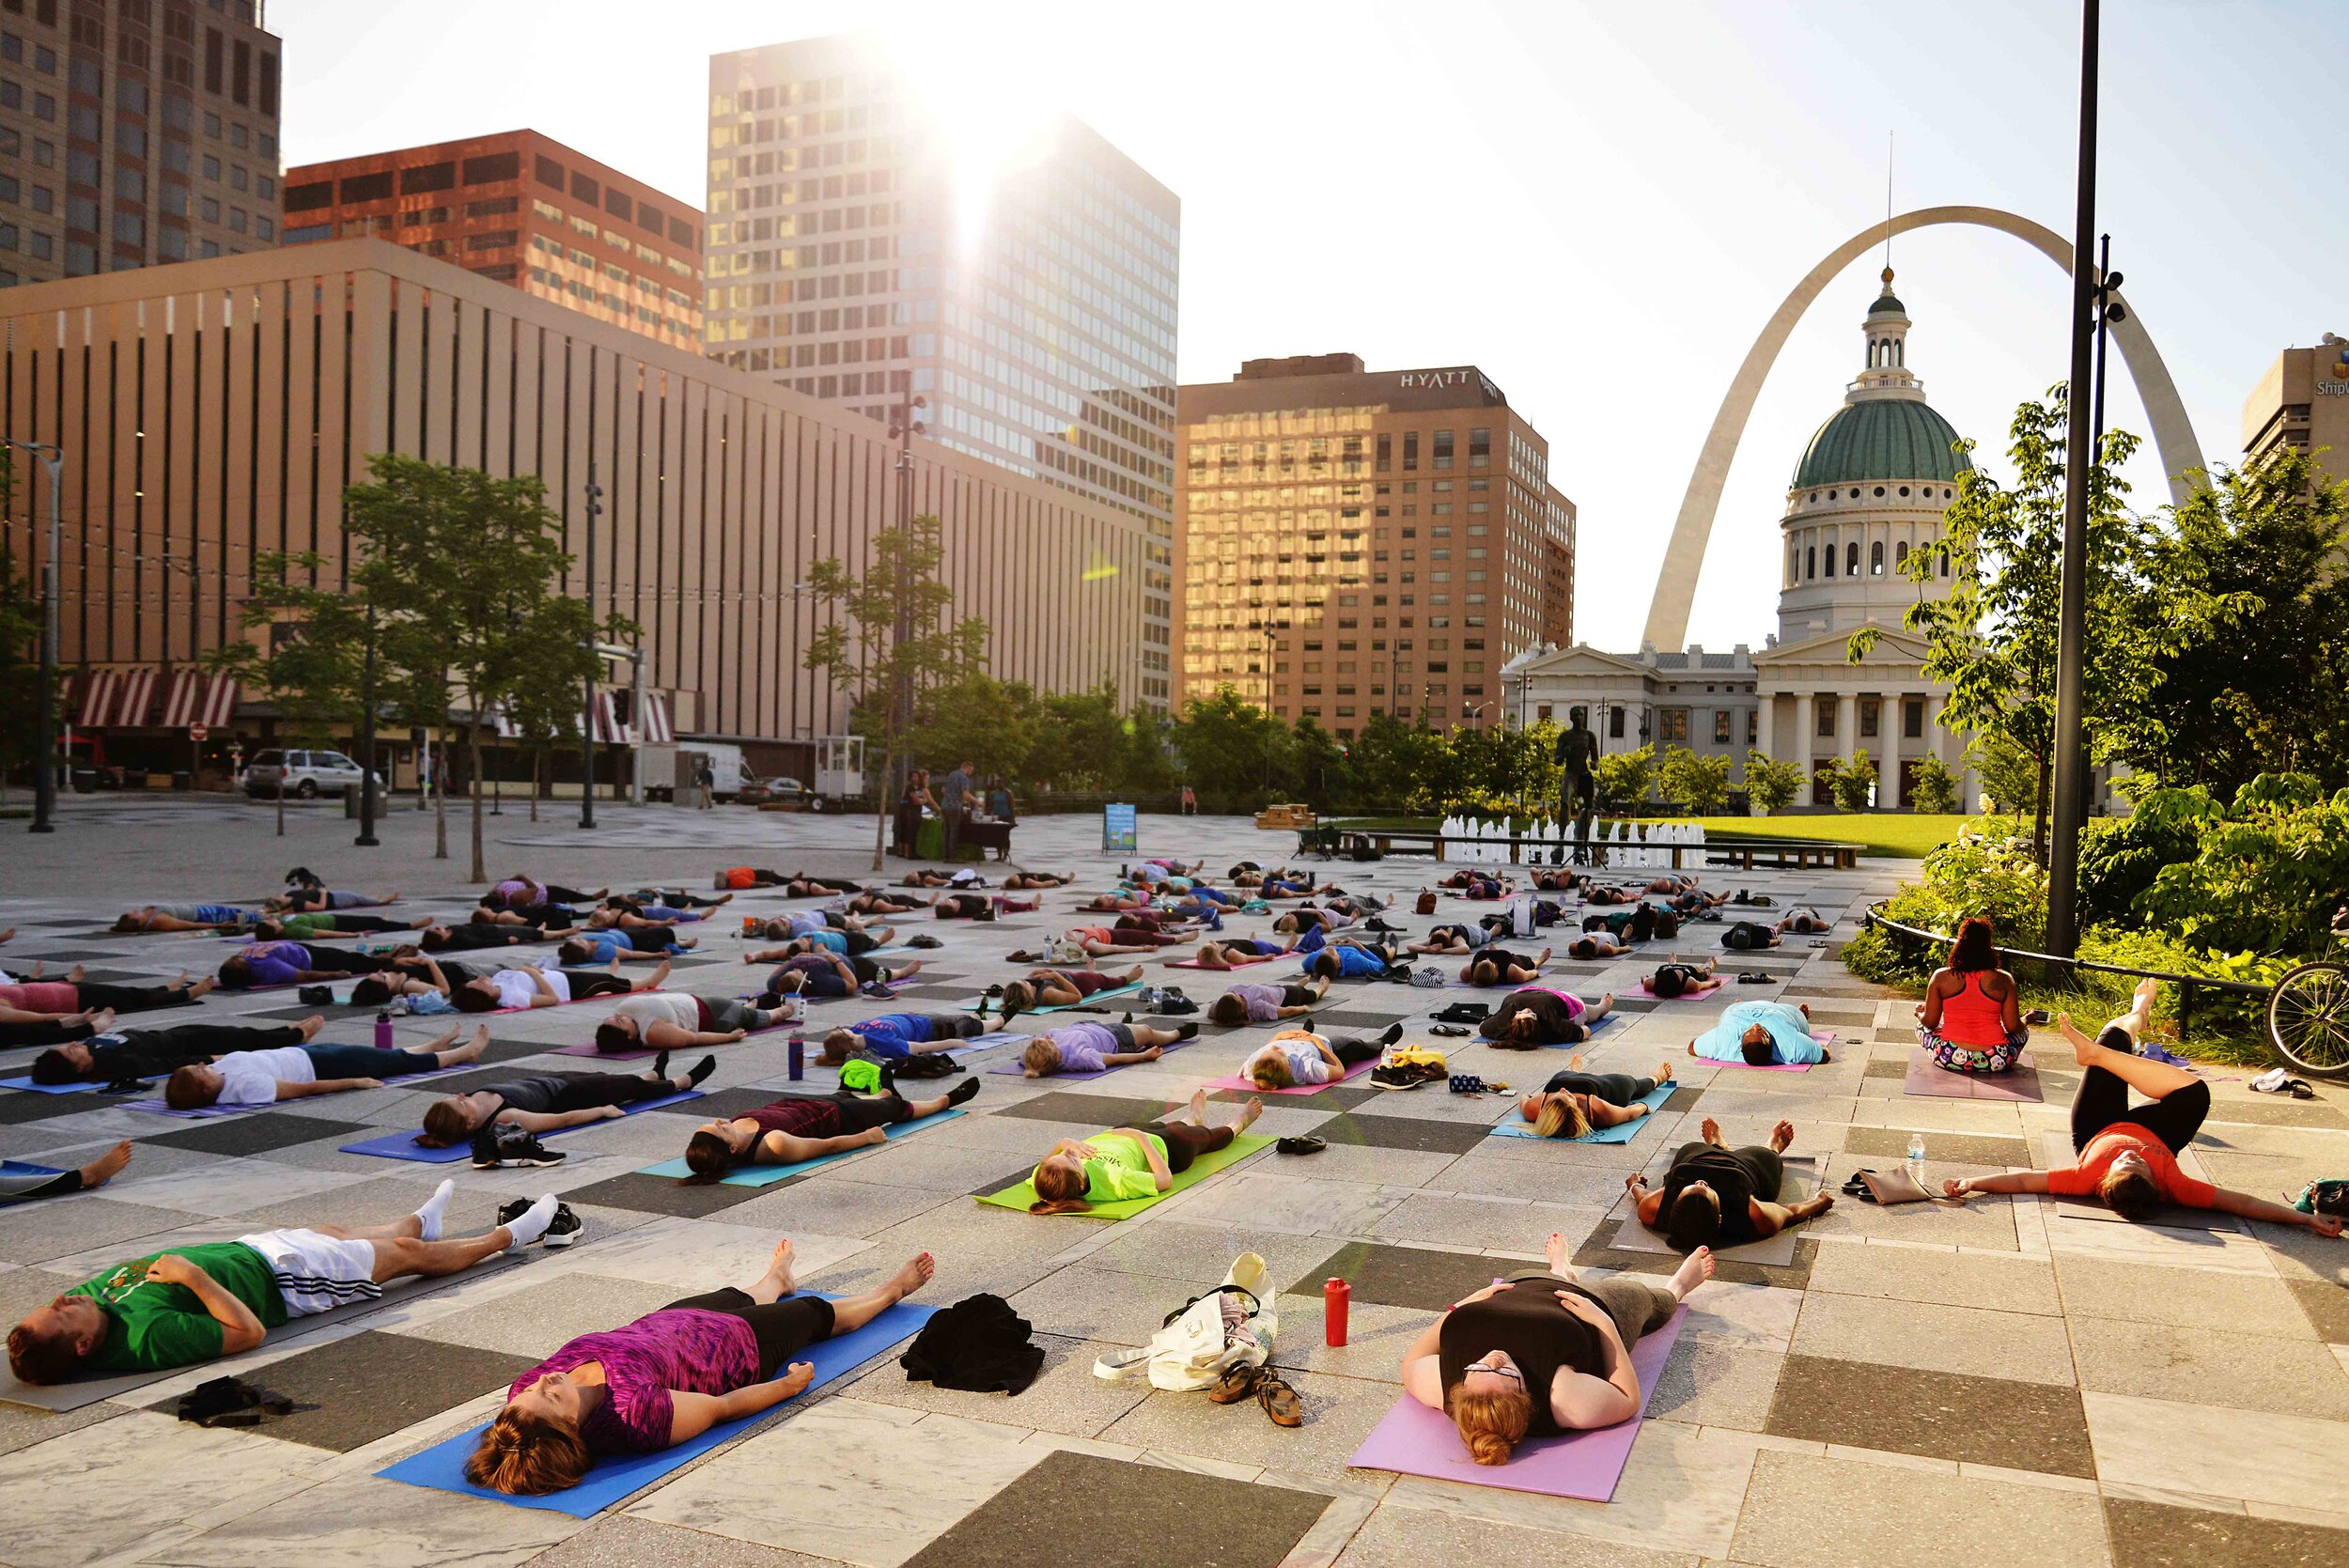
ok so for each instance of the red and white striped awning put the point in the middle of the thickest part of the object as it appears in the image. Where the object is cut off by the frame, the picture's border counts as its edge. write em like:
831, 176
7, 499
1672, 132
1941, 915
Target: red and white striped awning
98, 700
136, 696
220, 700
654, 721
502, 723
180, 701
603, 722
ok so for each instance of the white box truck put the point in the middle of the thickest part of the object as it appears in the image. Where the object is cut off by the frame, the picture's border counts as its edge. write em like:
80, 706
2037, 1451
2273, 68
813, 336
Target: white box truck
667, 773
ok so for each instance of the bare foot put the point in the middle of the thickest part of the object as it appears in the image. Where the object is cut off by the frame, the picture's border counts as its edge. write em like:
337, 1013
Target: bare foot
689, 941
1781, 1135
1694, 1270
311, 1025
1560, 1252
779, 1269
103, 1021
1199, 1105
2146, 990
471, 1051
203, 988
914, 1275
1249, 1112
1664, 1070
2083, 1048
98, 1171
660, 975
1709, 1130
1133, 974
76, 974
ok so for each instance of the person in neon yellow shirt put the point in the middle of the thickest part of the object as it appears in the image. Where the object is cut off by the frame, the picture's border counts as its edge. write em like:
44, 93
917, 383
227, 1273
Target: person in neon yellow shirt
1131, 1162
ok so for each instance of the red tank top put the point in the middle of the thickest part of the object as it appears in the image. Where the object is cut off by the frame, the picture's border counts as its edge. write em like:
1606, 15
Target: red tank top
1972, 1017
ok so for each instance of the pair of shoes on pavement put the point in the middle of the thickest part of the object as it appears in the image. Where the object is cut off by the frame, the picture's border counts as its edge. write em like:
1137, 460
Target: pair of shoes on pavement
562, 1230
1266, 1386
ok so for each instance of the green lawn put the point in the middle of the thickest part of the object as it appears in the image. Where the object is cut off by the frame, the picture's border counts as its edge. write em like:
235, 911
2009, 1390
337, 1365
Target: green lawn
1897, 835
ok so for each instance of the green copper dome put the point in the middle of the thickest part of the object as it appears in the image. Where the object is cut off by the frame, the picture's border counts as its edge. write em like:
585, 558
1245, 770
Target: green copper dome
1885, 438
1884, 303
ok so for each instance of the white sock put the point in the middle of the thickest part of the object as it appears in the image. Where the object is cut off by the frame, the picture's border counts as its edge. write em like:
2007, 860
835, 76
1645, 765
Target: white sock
429, 1215
529, 1225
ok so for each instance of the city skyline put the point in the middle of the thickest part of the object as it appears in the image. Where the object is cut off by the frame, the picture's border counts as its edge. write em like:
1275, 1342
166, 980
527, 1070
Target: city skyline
1644, 198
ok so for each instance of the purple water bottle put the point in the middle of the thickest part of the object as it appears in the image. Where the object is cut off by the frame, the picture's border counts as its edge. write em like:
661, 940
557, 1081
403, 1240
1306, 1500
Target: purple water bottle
384, 1032
798, 1056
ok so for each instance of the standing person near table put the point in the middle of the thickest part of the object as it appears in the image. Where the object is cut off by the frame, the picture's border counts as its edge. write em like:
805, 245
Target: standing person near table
953, 805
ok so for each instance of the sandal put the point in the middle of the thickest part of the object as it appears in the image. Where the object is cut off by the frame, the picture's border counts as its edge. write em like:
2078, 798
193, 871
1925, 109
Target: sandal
1754, 977
1279, 1399
1236, 1384
1304, 1143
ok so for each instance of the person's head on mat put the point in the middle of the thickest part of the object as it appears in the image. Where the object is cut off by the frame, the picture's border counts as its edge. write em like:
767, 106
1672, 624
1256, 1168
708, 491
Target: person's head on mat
192, 1088
374, 990
450, 1120
1694, 1219
1561, 1114
235, 972
475, 996
1491, 1407
57, 1343
1061, 1183
840, 1045
1761, 1050
62, 1063
1524, 1031
1042, 1058
534, 1446
1669, 982
1269, 1069
1583, 947
1018, 997
1325, 964
1483, 971
1230, 1009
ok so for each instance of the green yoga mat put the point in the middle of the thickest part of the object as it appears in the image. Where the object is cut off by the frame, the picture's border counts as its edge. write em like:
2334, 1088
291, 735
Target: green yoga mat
1125, 1209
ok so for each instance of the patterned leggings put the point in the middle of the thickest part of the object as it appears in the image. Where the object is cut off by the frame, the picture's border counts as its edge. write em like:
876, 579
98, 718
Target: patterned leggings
1955, 1058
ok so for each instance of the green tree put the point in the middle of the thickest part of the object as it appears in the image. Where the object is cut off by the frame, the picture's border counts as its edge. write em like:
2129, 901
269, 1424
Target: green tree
2268, 871
1395, 764
1935, 788
1992, 637
1850, 781
1229, 746
1771, 784
1323, 771
859, 650
1625, 777
994, 724
1697, 784
2254, 569
2010, 774
464, 572
1081, 740
313, 670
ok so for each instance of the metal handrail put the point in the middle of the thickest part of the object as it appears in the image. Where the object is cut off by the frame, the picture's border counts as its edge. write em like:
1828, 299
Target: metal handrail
2185, 983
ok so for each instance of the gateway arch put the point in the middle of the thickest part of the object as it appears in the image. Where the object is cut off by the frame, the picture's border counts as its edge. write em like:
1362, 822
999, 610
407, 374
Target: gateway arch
1676, 584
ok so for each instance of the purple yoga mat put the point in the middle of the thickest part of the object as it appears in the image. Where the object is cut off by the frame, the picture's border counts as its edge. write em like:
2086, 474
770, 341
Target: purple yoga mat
1248, 1086
1414, 1440
1929, 1082
591, 1050
1013, 1066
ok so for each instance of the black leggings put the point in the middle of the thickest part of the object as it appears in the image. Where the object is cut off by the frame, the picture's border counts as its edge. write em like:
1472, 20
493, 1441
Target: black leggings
23, 1186
781, 1327
1615, 1088
955, 1026
1187, 1141
133, 999
339, 962
680, 899
52, 1031
1298, 996
864, 1113
2104, 1099
554, 894
586, 1091
367, 925
1354, 1053
594, 983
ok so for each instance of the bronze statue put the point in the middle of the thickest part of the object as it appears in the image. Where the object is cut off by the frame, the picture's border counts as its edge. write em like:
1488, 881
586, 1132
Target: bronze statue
1576, 754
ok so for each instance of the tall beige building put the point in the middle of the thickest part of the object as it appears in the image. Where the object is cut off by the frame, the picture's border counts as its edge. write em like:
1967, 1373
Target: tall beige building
1352, 542
2302, 403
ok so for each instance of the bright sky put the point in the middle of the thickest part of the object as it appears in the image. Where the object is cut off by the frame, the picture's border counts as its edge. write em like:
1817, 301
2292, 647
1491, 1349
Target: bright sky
1598, 203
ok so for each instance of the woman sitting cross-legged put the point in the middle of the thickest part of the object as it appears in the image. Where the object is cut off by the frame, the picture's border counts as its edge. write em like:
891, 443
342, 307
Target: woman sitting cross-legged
1092, 1048
2128, 1155
1678, 979
1537, 1015
1496, 967
1245, 1004
1541, 1355
1131, 1162
1297, 1057
1574, 1103
668, 1377
1971, 1019
671, 1020
1713, 1194
797, 1127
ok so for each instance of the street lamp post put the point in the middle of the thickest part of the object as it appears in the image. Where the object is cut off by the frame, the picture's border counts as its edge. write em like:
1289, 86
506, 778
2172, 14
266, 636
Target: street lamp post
2079, 455
587, 702
366, 839
45, 775
903, 428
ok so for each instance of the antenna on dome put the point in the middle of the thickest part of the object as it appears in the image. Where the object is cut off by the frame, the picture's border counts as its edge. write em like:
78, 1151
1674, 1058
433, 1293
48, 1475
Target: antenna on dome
1887, 210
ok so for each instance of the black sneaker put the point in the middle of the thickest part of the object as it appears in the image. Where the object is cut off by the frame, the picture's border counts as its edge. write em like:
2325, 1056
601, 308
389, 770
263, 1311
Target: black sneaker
502, 1143
562, 1229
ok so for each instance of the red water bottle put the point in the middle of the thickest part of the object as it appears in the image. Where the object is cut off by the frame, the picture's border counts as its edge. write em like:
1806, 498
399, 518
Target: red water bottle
1336, 1296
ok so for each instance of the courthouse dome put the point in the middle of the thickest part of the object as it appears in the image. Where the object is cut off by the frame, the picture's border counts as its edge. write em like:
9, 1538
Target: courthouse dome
1881, 440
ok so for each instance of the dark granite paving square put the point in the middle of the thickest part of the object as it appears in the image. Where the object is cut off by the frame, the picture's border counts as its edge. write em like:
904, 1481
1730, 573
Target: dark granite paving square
1347, 1018
2327, 1306
1598, 1250
1830, 1014
733, 1102
1091, 1111
664, 1195
1684, 1097
62, 955
1957, 1147
1636, 1004
256, 1133
1403, 1132
370, 1385
20, 1106
2154, 1535
1986, 1420
299, 1011
1414, 1277
1076, 1511
940, 992
2278, 1113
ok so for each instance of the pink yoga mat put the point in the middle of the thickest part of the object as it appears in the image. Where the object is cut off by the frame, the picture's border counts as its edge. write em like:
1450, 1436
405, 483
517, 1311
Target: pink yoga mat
1414, 1440
1930, 1081
1248, 1086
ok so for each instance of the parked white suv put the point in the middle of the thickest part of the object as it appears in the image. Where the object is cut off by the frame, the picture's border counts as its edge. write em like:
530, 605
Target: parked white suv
307, 774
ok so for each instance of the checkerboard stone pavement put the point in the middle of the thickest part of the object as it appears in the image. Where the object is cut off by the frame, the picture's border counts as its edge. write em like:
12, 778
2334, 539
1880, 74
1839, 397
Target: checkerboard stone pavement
2001, 1384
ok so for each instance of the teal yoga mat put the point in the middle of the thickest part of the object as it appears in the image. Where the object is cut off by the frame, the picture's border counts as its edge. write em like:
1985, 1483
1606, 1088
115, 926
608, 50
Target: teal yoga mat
994, 1004
1622, 1132
766, 1175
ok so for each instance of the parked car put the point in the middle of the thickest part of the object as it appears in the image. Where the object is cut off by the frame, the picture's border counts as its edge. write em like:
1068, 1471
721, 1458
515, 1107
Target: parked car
307, 774
759, 792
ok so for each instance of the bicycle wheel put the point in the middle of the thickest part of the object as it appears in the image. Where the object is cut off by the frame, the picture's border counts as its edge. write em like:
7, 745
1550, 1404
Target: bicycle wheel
2308, 1019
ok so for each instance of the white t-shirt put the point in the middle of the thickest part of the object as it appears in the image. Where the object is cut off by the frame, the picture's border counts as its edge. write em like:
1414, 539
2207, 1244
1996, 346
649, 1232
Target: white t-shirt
1303, 1054
647, 1008
515, 988
252, 1076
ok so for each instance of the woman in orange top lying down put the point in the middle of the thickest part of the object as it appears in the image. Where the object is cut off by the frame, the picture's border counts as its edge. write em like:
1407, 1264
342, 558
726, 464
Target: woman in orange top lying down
2128, 1155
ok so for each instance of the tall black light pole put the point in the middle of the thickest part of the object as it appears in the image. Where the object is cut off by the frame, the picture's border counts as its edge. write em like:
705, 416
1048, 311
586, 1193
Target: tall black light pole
366, 839
2079, 456
587, 705
45, 773
2108, 310
903, 428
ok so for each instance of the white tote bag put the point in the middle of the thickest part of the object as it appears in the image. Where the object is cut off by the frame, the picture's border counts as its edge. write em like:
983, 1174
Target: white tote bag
1193, 1351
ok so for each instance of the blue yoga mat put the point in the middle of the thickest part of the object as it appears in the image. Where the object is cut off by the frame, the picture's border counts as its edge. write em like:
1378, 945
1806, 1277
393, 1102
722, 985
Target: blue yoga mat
403, 1144
1622, 1132
27, 1085
995, 1005
441, 1466
766, 1175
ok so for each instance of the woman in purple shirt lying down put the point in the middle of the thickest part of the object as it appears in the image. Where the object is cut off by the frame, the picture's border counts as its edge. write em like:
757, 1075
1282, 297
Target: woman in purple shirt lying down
668, 1377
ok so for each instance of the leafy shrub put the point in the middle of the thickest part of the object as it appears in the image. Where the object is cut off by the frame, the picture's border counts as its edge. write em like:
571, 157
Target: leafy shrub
2120, 857
2267, 873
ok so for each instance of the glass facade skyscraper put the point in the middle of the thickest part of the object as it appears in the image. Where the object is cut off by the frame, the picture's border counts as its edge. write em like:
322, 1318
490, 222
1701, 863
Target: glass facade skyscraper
861, 250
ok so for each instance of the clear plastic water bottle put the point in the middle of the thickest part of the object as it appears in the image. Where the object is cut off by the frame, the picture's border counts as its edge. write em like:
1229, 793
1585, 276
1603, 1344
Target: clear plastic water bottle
1917, 1156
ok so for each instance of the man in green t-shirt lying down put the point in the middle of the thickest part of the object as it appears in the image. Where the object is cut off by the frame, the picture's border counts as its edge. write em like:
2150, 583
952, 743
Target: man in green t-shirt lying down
188, 1304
